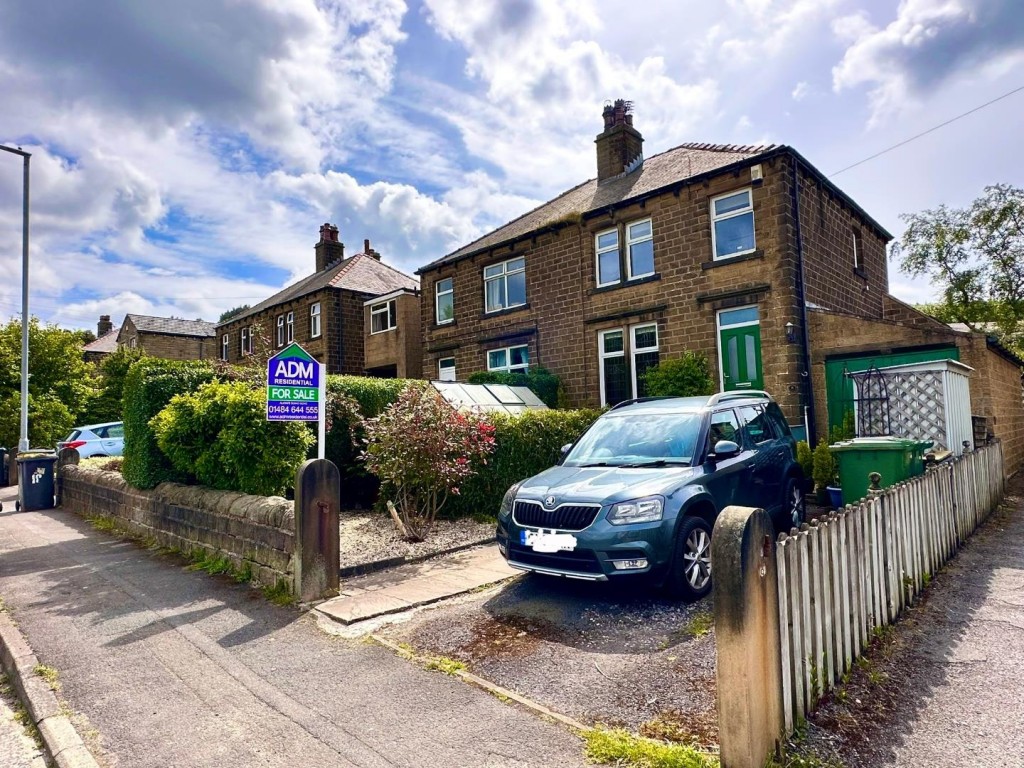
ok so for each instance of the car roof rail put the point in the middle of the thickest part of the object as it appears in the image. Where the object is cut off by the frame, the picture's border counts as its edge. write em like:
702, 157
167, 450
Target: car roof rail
738, 394
635, 400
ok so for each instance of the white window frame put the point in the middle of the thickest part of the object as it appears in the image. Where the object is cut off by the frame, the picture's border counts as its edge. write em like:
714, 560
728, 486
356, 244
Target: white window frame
388, 309
505, 272
132, 342
630, 242
598, 251
718, 336
508, 367
732, 214
245, 341
289, 327
280, 330
224, 343
634, 351
602, 355
441, 368
314, 320
438, 293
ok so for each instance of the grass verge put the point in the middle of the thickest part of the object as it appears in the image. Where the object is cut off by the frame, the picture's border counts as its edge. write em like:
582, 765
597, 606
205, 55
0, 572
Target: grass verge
620, 748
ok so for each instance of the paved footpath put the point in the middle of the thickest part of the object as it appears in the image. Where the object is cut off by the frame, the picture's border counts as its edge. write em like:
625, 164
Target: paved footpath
175, 668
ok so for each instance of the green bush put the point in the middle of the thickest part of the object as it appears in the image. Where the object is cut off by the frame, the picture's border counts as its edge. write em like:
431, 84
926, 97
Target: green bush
345, 437
544, 384
686, 376
113, 370
148, 387
805, 458
219, 436
824, 471
524, 446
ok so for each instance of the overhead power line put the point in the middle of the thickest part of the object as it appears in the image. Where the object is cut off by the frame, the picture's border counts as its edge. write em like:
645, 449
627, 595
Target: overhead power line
930, 130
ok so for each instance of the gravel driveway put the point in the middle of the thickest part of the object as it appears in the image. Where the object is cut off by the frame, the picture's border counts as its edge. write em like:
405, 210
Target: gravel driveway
596, 652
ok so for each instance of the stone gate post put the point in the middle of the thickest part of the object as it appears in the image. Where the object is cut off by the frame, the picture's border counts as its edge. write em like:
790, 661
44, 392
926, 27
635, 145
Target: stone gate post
317, 553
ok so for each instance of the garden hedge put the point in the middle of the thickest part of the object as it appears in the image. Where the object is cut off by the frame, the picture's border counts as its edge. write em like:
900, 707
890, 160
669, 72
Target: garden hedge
358, 487
544, 384
524, 446
148, 387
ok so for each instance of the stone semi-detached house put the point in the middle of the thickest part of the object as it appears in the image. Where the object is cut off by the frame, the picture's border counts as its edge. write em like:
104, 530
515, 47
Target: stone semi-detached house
168, 337
356, 314
744, 253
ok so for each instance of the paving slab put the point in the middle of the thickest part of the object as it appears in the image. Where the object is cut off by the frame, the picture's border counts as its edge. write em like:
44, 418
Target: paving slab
408, 586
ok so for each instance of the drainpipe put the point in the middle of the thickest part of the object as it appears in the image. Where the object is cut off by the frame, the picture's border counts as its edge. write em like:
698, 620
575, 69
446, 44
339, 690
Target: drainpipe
805, 374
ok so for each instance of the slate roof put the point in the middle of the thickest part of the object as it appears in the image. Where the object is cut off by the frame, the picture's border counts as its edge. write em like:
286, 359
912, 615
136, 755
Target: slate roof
104, 344
657, 173
172, 325
360, 273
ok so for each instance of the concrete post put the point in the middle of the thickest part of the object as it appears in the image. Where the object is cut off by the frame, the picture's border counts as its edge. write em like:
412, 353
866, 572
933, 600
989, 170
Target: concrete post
317, 553
65, 456
749, 672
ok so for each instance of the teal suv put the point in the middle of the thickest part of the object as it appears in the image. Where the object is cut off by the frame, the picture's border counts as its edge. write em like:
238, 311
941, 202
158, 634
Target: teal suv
639, 492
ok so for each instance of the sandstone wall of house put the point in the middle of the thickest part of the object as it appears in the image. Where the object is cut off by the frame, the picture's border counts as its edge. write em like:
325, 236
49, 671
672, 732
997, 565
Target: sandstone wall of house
401, 346
997, 395
254, 532
266, 323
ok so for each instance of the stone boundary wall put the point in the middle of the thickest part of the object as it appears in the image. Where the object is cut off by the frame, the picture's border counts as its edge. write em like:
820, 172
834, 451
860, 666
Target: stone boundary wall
254, 532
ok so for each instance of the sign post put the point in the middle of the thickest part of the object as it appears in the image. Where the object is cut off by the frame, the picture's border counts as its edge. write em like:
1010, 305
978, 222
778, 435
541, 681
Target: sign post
296, 390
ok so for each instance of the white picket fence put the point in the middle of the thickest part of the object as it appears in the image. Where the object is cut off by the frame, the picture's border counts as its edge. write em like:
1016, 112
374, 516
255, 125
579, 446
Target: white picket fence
843, 576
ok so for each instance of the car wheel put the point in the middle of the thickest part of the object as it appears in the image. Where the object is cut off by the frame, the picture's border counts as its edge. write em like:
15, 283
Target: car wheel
794, 505
690, 575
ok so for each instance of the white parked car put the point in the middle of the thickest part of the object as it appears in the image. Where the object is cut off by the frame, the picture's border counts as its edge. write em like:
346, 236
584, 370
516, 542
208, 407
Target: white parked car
96, 440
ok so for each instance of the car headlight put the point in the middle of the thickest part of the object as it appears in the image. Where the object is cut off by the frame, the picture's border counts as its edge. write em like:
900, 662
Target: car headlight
506, 501
637, 511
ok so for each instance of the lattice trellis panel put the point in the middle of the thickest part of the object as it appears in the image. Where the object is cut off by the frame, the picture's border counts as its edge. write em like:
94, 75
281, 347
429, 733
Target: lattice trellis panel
917, 407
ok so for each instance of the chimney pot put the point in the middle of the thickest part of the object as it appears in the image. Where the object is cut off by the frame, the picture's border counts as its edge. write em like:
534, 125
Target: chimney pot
329, 250
620, 144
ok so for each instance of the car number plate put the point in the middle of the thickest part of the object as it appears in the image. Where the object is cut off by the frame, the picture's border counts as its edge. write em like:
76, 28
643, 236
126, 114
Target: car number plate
548, 541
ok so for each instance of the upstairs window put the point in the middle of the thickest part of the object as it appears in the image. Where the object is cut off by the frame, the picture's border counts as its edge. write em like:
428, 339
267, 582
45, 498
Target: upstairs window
444, 301
606, 245
732, 224
289, 328
505, 285
640, 249
314, 320
509, 359
224, 347
858, 253
280, 330
382, 317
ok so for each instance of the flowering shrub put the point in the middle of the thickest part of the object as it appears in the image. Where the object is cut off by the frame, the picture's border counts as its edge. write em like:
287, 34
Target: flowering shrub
422, 449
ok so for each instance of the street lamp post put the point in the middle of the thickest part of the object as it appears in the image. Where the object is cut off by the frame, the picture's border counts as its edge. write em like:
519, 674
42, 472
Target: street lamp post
23, 441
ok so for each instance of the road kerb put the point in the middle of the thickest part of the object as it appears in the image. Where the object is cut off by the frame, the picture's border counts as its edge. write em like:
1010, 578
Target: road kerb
490, 687
60, 739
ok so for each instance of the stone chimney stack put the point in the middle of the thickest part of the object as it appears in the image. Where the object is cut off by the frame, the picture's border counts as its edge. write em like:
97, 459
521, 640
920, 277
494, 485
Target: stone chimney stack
329, 250
620, 145
369, 251
104, 326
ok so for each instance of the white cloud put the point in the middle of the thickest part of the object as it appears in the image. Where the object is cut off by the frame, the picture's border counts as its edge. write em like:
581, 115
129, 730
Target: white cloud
928, 43
800, 91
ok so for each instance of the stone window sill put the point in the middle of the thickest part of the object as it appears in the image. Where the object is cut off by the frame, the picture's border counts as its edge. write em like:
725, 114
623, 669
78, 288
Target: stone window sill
626, 284
503, 312
758, 254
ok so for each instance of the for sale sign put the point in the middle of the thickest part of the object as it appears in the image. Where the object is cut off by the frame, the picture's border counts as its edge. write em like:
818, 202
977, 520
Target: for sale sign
294, 382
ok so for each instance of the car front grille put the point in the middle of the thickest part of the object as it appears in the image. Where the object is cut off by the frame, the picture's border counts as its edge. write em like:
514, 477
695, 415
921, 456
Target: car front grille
576, 561
567, 517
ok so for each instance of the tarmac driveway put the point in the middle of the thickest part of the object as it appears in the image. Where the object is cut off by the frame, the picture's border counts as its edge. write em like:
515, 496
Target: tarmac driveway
618, 655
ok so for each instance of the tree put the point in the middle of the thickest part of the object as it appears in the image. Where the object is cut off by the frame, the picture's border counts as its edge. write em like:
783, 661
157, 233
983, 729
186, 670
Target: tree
61, 383
686, 376
113, 369
225, 316
422, 449
975, 255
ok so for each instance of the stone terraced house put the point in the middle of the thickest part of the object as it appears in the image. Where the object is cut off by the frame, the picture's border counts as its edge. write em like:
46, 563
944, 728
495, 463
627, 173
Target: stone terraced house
356, 314
747, 254
168, 337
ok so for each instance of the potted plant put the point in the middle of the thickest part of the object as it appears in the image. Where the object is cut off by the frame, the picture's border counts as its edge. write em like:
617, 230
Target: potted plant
826, 477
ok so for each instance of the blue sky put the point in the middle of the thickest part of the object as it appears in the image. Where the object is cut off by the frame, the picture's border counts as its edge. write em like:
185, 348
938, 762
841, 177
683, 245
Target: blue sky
185, 154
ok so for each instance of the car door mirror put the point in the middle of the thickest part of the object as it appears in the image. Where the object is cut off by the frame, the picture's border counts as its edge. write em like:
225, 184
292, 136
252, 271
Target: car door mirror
724, 449
565, 449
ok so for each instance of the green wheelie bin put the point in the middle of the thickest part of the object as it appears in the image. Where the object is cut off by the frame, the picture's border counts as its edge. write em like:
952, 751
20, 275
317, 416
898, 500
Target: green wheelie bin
895, 458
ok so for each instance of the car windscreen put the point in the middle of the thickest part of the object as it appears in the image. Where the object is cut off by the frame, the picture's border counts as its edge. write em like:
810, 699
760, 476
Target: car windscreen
637, 439
73, 436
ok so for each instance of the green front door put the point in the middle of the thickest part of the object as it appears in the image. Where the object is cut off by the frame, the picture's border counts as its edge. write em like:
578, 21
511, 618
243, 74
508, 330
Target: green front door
741, 357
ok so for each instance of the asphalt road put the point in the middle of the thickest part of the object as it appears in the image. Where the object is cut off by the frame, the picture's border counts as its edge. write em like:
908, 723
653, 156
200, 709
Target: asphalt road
599, 653
168, 667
